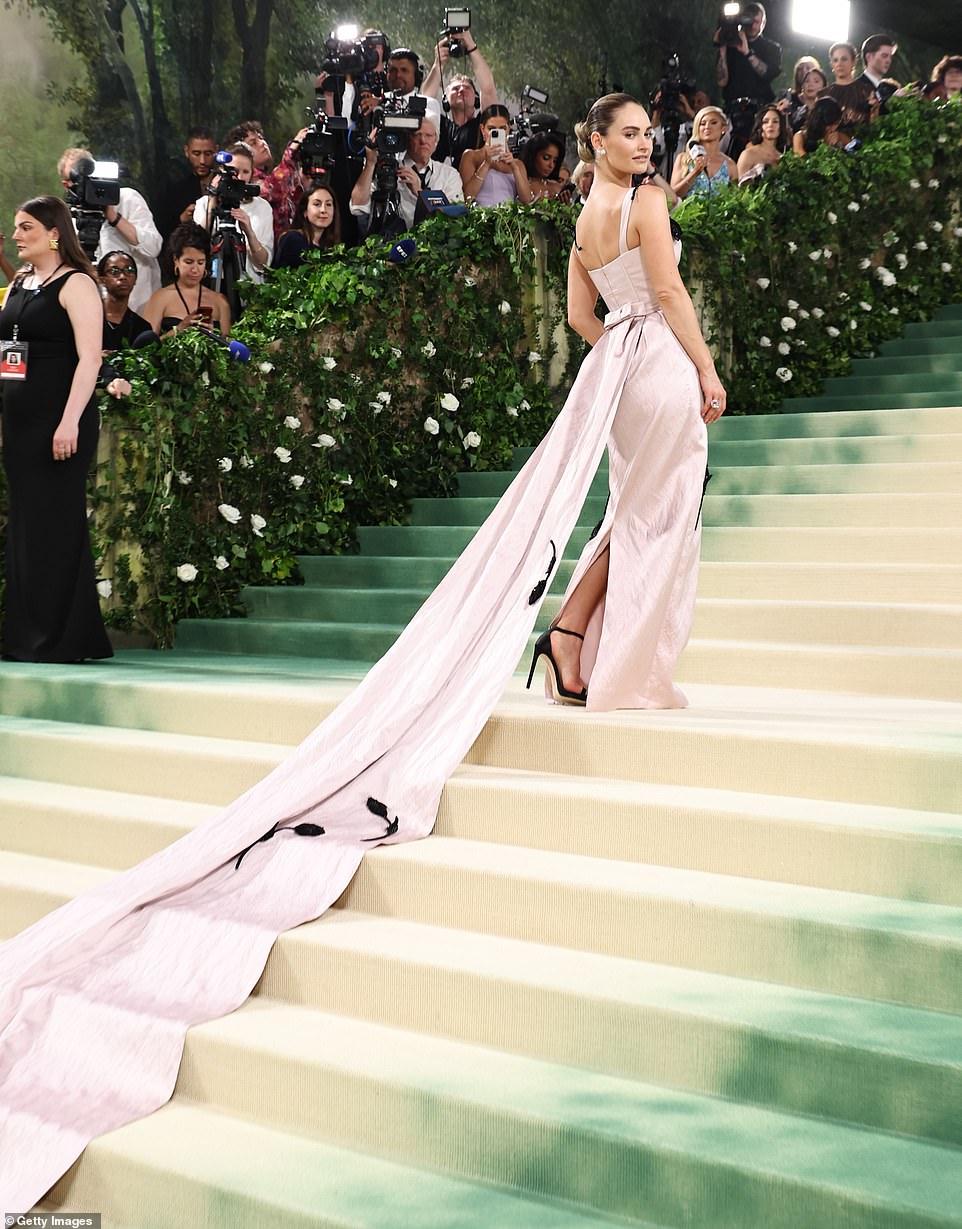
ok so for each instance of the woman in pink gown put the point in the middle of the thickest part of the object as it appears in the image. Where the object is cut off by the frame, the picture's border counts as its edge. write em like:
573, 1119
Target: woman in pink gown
95, 999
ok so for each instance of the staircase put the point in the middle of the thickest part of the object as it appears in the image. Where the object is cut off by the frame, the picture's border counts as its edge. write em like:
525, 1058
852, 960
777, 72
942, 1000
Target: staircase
683, 970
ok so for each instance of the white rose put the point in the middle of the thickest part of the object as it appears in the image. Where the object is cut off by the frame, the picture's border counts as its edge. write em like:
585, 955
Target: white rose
792, 305
816, 255
470, 281
866, 307
324, 441
384, 398
784, 348
524, 406
186, 572
893, 311
865, 263
511, 411
329, 363
937, 227
392, 482
890, 238
534, 357
827, 253
449, 402
296, 481
784, 374
803, 313
866, 196
292, 422
220, 562
504, 308
472, 440
818, 312
258, 524
942, 138
267, 368
246, 462
429, 349
957, 232
933, 184
184, 478
205, 379
467, 381
230, 514
914, 183
334, 405
431, 425
853, 206
348, 481
225, 465
945, 267
921, 246
832, 217
831, 330
396, 352
105, 588
762, 283
765, 341
787, 323
283, 455
792, 246
901, 260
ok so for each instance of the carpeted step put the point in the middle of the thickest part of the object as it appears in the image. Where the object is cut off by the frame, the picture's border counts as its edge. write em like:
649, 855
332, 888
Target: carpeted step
786, 425
872, 400
918, 343
832, 582
946, 325
522, 1111
906, 364
813, 938
948, 383
849, 450
189, 1166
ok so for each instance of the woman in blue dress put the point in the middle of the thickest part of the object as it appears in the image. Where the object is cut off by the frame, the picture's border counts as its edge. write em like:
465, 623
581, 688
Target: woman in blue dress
701, 169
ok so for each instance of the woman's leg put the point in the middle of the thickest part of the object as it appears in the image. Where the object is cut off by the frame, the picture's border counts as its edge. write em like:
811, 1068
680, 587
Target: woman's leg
578, 610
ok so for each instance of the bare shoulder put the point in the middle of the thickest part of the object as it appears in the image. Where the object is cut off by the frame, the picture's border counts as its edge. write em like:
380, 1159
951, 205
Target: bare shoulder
650, 205
80, 291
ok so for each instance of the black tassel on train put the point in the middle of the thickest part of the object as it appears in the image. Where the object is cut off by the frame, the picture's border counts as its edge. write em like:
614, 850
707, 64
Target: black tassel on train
538, 591
298, 830
379, 809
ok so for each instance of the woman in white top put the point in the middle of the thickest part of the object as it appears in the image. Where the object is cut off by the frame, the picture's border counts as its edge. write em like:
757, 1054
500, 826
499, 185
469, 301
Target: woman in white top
255, 218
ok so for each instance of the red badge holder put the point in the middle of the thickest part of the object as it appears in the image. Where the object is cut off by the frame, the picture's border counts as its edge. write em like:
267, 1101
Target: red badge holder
13, 360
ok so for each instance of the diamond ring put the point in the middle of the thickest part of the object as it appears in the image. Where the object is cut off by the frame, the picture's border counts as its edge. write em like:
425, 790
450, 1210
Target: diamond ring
714, 403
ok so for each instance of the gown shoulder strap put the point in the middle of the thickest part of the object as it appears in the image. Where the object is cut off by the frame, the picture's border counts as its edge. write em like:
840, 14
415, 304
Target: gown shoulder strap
623, 228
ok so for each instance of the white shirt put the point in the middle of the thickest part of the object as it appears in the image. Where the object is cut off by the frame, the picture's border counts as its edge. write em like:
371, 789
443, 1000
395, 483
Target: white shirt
438, 176
135, 209
262, 222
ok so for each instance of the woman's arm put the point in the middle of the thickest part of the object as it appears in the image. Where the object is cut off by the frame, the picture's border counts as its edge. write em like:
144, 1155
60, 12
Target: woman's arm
153, 309
80, 299
474, 170
683, 176
649, 220
798, 144
582, 297
746, 160
525, 195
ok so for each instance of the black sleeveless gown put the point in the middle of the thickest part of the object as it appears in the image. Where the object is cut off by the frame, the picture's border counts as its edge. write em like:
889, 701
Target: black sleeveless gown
52, 611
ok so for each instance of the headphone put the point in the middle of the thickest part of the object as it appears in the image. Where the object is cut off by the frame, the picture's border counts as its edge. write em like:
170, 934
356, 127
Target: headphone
407, 54
446, 106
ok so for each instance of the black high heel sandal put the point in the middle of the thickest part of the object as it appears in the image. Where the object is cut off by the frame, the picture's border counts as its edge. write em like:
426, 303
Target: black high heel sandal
559, 693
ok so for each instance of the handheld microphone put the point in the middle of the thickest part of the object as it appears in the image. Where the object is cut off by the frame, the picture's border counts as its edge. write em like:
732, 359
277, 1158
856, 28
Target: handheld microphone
237, 350
403, 250
146, 338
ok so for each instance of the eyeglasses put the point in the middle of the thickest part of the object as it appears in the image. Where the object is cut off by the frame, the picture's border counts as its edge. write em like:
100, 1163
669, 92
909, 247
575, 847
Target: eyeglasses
121, 272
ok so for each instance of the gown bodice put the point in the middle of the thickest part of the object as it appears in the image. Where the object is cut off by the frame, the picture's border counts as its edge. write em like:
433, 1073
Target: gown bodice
624, 280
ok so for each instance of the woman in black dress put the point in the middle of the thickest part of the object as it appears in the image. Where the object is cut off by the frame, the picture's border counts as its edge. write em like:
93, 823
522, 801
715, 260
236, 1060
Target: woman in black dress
316, 225
118, 275
54, 319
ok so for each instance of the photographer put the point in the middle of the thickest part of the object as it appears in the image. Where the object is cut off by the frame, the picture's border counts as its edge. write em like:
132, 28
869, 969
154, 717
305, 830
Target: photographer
748, 63
416, 170
280, 185
254, 217
490, 174
128, 226
464, 95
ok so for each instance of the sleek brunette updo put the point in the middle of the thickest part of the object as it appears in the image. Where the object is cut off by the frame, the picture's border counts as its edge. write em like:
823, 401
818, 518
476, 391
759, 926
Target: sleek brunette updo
599, 119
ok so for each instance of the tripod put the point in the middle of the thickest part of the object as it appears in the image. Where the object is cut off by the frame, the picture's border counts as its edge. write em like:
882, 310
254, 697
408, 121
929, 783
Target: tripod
228, 250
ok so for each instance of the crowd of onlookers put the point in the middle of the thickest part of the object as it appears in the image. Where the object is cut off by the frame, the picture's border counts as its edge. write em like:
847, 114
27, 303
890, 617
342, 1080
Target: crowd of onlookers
154, 264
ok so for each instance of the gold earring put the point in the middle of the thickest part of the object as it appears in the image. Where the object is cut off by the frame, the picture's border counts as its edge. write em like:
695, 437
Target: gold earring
55, 245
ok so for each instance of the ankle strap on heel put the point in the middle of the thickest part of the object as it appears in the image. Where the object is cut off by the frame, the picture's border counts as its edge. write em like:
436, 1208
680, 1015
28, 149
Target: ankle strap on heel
564, 631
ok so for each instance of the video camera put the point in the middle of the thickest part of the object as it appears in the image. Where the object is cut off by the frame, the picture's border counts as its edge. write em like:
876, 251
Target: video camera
667, 98
395, 120
732, 22
456, 23
230, 192
322, 144
529, 123
348, 55
93, 186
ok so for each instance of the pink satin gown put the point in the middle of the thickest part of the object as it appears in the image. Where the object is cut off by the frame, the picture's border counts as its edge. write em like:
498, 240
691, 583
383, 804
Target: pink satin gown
95, 999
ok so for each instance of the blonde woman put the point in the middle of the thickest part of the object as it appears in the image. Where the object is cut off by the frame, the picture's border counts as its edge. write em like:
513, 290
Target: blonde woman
701, 169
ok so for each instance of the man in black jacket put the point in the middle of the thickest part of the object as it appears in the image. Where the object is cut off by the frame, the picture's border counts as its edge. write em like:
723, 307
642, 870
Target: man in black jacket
746, 70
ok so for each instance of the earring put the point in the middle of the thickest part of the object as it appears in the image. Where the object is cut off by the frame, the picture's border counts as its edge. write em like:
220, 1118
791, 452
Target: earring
55, 245
600, 153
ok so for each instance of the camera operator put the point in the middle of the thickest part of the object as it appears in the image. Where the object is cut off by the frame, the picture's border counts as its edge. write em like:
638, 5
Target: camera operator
416, 170
254, 217
748, 62
177, 201
464, 95
128, 226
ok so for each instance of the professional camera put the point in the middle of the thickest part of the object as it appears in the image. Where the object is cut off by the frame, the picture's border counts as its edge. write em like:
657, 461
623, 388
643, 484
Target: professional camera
732, 22
349, 55
456, 23
321, 145
529, 123
230, 191
395, 120
668, 98
93, 186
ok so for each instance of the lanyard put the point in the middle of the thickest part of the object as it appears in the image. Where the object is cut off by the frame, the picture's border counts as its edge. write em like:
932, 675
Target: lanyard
28, 297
